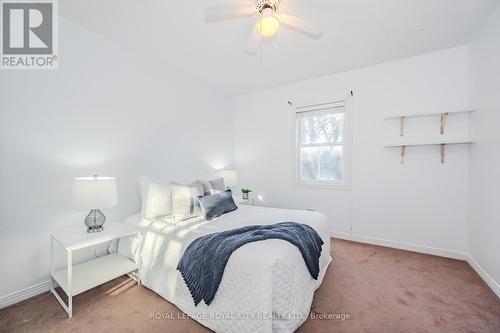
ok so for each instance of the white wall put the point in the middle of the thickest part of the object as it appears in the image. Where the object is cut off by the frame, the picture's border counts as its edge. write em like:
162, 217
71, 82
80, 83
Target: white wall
105, 110
484, 226
422, 202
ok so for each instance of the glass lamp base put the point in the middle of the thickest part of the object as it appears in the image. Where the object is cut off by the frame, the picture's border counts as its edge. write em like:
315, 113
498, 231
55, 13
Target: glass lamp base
94, 221
95, 229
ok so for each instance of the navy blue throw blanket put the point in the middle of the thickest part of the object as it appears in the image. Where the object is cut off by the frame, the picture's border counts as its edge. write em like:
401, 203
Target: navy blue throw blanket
202, 264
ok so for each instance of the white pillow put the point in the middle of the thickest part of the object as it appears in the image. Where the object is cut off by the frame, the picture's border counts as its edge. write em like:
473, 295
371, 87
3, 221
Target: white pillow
212, 186
185, 203
156, 199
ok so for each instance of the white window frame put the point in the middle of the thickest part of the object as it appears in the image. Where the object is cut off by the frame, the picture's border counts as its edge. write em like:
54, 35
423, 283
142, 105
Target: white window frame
346, 151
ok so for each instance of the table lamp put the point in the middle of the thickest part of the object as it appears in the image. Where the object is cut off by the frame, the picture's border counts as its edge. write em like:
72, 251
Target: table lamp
230, 178
94, 193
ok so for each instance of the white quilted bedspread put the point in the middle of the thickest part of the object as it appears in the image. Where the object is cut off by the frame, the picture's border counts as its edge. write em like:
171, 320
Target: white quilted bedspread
266, 286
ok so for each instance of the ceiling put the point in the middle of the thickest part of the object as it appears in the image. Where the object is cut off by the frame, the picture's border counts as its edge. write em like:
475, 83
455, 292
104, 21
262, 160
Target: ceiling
357, 33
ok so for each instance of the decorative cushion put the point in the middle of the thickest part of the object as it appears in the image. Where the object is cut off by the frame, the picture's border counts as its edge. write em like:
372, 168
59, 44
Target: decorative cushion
217, 204
156, 199
212, 186
217, 185
184, 200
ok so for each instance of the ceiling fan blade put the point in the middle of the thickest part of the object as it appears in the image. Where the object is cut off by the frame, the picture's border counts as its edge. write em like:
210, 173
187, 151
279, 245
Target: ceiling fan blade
254, 41
228, 12
298, 25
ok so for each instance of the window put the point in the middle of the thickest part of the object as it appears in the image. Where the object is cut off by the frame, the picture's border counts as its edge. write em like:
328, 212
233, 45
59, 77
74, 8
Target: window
322, 152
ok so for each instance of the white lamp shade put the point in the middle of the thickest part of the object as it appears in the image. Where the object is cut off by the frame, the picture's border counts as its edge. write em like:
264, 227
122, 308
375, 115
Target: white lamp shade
230, 178
94, 193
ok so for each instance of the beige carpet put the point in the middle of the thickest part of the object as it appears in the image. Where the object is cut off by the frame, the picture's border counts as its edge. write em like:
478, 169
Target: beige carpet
376, 289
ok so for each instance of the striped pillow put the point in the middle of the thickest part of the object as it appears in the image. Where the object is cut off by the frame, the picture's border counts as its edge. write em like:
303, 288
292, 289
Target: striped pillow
185, 201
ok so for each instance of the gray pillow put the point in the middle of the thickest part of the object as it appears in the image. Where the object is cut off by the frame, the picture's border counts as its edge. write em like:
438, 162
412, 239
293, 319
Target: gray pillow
212, 186
217, 204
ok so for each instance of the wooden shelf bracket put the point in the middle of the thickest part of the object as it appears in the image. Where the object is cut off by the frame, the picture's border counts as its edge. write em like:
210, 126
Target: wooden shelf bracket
444, 115
402, 154
442, 152
401, 126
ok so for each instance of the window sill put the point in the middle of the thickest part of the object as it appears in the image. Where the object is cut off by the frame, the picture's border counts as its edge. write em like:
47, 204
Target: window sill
340, 187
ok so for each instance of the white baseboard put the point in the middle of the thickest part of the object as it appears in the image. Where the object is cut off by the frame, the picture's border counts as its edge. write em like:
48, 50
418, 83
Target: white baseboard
24, 294
402, 246
494, 286
484, 275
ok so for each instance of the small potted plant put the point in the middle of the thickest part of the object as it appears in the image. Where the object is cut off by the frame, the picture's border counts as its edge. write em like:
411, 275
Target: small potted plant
244, 192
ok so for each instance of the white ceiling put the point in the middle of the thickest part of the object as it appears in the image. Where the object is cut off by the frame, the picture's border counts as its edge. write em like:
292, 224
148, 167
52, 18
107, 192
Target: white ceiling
357, 33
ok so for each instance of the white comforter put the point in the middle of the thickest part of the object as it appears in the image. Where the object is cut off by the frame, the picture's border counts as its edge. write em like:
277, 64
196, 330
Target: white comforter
266, 286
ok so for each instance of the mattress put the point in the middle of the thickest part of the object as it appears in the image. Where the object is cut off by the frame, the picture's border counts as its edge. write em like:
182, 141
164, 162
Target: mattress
266, 286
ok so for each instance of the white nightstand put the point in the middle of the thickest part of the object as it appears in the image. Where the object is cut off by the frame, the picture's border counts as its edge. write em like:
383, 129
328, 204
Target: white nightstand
240, 201
74, 280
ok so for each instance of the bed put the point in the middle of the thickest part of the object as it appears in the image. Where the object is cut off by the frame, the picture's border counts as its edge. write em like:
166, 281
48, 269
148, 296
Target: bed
266, 286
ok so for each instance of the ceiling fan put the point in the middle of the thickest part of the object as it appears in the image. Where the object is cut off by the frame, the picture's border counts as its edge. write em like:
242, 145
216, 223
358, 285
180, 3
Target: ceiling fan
269, 20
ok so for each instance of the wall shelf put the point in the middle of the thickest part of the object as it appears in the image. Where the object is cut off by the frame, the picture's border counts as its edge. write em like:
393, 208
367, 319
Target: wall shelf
442, 143
430, 114
435, 142
429, 143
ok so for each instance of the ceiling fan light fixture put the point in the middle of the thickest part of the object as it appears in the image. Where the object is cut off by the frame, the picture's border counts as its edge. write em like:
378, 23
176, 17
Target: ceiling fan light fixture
270, 18
268, 24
